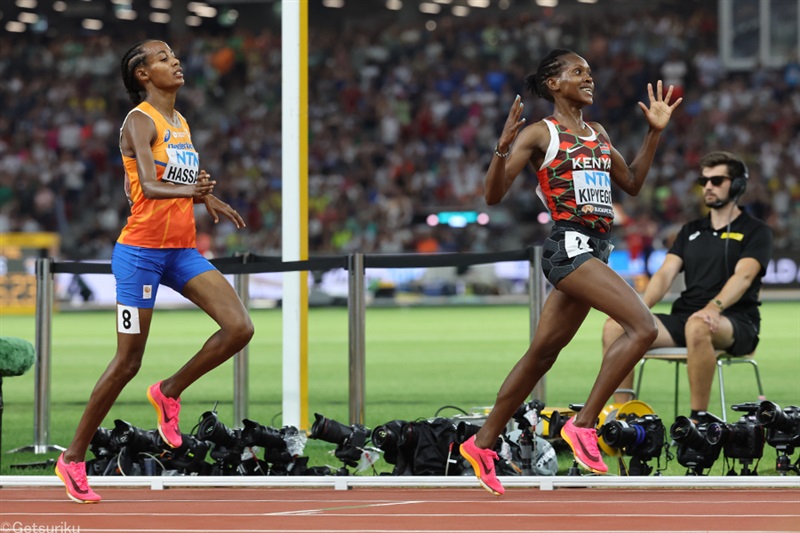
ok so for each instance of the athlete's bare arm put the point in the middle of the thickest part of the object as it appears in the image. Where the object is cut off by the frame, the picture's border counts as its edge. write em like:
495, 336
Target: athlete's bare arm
527, 147
138, 135
631, 178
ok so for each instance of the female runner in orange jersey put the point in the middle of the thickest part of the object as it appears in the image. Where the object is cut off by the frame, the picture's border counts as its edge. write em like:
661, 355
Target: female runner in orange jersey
157, 246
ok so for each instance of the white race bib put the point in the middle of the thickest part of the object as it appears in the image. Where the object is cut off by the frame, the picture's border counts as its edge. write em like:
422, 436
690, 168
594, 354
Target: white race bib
576, 243
182, 167
593, 192
128, 319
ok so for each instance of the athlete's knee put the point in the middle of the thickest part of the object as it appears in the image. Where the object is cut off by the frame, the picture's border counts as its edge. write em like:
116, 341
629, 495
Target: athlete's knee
646, 331
539, 359
126, 366
240, 330
611, 332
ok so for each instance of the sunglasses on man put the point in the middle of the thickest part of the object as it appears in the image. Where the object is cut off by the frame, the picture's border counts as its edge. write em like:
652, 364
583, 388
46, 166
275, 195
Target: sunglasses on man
716, 181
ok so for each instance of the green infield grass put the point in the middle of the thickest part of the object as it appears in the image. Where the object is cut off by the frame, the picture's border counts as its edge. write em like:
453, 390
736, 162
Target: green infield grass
420, 361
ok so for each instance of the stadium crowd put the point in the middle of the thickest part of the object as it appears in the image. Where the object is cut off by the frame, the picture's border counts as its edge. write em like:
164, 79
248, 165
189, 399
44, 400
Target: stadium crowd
403, 122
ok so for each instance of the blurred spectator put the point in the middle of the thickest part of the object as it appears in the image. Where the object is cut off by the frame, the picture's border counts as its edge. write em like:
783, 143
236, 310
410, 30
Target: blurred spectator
402, 122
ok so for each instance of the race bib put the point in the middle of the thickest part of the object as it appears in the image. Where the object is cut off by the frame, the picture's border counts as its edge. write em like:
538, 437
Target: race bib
593, 192
576, 243
128, 319
182, 167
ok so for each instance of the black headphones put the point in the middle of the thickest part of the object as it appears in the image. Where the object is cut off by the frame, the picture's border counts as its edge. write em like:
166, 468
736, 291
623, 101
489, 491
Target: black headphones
739, 178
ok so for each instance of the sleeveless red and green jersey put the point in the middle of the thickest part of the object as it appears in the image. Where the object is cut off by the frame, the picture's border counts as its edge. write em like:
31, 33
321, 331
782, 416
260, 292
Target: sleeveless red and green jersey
575, 177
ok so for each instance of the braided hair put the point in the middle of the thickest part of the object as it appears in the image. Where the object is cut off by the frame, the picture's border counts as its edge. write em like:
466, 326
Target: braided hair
134, 57
549, 67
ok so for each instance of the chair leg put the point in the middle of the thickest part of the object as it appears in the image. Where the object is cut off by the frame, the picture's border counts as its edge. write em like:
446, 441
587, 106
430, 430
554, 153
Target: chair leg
761, 395
721, 382
639, 379
729, 361
677, 384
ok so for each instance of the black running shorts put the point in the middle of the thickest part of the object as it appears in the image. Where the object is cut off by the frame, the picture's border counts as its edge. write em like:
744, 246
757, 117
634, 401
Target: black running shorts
569, 246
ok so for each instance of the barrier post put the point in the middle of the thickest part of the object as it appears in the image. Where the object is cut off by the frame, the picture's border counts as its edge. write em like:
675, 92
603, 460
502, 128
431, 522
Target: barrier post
241, 383
536, 292
356, 319
43, 345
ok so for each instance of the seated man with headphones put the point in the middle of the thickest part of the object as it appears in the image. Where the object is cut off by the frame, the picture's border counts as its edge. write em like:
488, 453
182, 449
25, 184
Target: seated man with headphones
723, 256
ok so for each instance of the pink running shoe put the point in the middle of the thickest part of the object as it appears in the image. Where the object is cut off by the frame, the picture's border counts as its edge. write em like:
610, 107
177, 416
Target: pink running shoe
168, 410
74, 477
583, 442
482, 461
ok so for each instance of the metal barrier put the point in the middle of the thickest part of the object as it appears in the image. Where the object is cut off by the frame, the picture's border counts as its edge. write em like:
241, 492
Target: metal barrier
240, 267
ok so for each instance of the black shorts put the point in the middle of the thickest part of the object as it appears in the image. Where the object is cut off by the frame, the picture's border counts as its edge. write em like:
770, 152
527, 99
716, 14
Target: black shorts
569, 246
745, 332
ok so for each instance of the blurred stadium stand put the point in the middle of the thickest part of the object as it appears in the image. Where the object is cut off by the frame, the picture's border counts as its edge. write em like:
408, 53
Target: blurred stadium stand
407, 99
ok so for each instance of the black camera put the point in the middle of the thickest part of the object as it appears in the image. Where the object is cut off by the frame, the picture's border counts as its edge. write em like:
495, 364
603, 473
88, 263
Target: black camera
136, 440
350, 440
138, 449
273, 441
642, 438
105, 451
555, 422
743, 440
103, 443
212, 430
783, 425
388, 437
783, 432
527, 415
229, 453
694, 450
189, 457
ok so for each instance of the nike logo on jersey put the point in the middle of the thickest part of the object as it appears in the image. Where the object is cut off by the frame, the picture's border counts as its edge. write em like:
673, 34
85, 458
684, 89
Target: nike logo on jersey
570, 150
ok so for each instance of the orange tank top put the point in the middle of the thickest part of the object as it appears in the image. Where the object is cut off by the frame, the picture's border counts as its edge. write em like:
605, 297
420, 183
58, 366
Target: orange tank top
166, 223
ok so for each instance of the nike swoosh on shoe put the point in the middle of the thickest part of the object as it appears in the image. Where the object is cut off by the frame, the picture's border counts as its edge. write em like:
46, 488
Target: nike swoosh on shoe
75, 485
487, 468
585, 451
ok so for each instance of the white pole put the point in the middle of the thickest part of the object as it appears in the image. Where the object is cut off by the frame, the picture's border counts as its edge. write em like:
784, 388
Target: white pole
294, 217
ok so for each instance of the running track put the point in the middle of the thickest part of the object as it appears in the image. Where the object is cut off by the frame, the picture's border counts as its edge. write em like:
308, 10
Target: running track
412, 510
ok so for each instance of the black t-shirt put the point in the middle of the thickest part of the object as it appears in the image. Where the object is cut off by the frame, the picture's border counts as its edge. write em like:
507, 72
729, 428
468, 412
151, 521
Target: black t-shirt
707, 265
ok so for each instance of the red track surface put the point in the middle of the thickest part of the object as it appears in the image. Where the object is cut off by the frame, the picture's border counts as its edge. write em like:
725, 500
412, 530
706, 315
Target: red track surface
241, 510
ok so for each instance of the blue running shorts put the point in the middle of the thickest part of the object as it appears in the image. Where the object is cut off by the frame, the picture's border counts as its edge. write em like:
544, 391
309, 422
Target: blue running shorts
139, 271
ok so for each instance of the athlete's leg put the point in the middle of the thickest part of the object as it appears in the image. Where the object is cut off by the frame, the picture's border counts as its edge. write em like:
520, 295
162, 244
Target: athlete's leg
560, 319
701, 360
122, 368
611, 332
596, 285
212, 293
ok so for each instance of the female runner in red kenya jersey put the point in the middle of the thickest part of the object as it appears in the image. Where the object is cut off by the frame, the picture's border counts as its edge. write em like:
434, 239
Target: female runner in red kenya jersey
565, 79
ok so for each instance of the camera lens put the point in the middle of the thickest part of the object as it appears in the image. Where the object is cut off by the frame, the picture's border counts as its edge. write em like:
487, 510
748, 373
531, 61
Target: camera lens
254, 434
385, 437
137, 439
211, 429
329, 430
684, 431
715, 433
770, 415
619, 434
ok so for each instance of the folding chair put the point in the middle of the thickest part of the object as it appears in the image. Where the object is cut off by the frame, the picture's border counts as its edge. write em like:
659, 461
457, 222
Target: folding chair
679, 355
